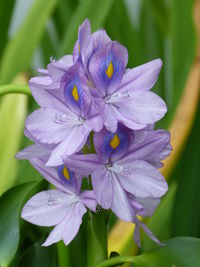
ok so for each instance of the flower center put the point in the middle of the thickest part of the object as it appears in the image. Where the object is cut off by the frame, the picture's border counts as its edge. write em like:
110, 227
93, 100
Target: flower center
81, 119
109, 165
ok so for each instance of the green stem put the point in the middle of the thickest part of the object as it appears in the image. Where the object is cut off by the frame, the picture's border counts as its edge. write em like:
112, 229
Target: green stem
63, 255
14, 88
115, 260
96, 238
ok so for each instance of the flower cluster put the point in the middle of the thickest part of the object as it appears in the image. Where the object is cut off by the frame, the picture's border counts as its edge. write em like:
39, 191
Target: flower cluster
95, 120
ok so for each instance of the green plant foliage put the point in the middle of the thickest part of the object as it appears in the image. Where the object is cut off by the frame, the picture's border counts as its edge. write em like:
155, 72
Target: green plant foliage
10, 207
183, 252
149, 29
161, 221
12, 116
186, 215
97, 238
39, 256
95, 10
20, 48
6, 8
183, 49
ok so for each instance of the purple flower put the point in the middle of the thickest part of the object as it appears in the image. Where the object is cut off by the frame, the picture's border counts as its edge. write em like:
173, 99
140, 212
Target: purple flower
63, 207
92, 91
121, 95
66, 117
88, 43
125, 163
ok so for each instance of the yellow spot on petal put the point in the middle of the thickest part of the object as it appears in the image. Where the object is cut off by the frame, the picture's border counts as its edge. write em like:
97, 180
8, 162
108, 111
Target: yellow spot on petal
114, 143
79, 49
75, 93
110, 70
66, 173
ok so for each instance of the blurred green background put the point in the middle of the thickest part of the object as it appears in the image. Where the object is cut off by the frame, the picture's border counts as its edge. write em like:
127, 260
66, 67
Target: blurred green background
32, 31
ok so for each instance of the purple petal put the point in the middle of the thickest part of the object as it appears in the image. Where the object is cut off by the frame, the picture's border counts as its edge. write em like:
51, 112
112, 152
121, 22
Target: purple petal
46, 82
111, 146
141, 179
103, 188
40, 81
69, 227
128, 122
76, 93
146, 206
139, 224
141, 78
99, 39
83, 46
49, 173
33, 151
57, 68
95, 123
73, 223
57, 233
143, 107
89, 200
107, 67
46, 125
154, 146
120, 205
109, 118
68, 179
71, 144
47, 208
46, 98
83, 164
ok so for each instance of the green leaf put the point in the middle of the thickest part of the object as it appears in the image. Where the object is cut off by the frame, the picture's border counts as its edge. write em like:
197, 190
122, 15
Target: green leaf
6, 8
160, 14
178, 252
62, 16
183, 252
186, 215
116, 25
12, 116
95, 10
39, 256
10, 207
19, 51
183, 48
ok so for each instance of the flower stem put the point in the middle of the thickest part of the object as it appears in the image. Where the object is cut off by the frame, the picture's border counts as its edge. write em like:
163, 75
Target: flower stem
96, 238
14, 89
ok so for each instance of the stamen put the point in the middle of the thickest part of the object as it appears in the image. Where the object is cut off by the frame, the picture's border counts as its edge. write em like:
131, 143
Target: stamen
75, 93
110, 70
125, 170
60, 118
114, 143
123, 95
52, 201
